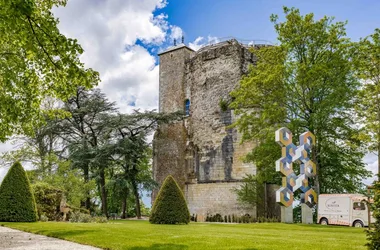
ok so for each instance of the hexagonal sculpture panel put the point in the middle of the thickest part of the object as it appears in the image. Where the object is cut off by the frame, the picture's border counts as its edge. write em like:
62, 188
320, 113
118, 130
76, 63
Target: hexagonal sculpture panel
284, 166
284, 136
284, 196
310, 198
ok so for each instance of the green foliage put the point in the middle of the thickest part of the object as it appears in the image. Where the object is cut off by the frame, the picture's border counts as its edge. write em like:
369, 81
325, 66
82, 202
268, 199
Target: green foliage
44, 218
373, 234
223, 104
36, 61
170, 205
16, 198
248, 193
307, 82
368, 61
48, 200
77, 217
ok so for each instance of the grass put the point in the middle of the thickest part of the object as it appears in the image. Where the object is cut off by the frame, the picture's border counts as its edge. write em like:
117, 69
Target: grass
140, 235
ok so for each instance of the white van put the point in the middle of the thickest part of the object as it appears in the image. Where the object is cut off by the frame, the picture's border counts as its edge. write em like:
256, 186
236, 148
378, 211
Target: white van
343, 209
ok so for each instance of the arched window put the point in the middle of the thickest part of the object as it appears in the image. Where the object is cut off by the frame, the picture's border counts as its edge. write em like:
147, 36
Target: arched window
187, 107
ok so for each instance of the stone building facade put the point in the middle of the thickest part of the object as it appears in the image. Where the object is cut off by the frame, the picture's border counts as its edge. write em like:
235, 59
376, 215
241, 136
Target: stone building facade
202, 152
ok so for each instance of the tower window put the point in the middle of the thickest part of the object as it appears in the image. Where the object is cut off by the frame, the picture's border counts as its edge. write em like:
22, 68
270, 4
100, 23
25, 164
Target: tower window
187, 107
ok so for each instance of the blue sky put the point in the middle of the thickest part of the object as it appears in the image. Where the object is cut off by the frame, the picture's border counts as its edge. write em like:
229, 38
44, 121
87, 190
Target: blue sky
249, 19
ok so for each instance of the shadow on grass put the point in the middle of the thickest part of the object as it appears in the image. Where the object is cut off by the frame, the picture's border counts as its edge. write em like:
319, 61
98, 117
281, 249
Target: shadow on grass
63, 234
162, 246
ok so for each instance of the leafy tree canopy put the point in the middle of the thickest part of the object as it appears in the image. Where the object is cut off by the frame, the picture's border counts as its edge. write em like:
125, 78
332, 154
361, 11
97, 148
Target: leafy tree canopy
307, 82
36, 61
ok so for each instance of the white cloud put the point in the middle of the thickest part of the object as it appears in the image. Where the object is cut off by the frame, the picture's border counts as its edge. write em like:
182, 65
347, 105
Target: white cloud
200, 42
175, 32
371, 162
108, 32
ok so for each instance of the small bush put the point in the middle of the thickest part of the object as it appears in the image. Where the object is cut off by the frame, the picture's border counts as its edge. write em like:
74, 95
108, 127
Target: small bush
100, 219
170, 205
17, 202
218, 218
223, 104
77, 217
48, 200
43, 218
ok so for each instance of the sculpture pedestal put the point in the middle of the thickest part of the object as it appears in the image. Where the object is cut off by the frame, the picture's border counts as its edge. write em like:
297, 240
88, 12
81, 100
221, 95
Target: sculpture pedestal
287, 214
307, 214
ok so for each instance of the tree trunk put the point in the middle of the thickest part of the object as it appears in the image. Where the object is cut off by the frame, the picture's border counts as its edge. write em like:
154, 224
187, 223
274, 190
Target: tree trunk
103, 192
137, 198
86, 180
124, 205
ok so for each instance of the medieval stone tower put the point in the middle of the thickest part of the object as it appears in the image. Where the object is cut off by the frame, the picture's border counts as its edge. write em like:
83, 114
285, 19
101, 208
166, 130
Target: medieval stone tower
202, 153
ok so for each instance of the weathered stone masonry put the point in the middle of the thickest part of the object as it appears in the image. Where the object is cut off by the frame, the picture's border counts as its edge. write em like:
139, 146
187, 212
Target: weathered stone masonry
202, 153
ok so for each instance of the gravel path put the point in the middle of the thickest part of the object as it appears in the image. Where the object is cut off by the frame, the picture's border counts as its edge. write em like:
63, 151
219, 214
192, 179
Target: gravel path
18, 240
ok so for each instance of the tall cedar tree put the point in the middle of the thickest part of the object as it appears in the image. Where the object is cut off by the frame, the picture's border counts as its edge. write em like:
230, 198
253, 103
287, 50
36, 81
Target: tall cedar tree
85, 131
170, 205
17, 202
368, 65
36, 61
304, 83
131, 146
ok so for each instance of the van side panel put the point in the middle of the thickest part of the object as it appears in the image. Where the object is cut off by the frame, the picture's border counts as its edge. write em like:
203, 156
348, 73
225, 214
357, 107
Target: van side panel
335, 208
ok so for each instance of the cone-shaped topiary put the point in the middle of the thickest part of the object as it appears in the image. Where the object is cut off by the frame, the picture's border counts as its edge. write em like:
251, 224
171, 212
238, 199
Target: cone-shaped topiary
16, 198
170, 205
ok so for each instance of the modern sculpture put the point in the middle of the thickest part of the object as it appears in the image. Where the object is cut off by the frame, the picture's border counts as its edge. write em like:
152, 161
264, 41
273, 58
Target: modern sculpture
290, 181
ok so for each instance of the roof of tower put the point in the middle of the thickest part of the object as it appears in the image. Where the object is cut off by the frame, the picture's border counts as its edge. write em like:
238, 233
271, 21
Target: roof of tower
173, 48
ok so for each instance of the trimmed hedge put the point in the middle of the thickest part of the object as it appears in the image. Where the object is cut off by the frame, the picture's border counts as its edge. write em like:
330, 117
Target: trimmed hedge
170, 205
17, 202
48, 200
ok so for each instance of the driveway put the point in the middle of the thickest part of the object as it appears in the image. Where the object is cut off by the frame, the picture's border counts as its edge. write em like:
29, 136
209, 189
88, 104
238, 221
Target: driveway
18, 240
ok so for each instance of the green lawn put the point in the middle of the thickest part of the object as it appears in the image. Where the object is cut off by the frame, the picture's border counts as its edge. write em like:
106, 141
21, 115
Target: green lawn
139, 235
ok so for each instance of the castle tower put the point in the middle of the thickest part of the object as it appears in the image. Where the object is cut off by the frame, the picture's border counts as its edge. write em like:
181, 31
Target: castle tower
170, 140
172, 75
202, 152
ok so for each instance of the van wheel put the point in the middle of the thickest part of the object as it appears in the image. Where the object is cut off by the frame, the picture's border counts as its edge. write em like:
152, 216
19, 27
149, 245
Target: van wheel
358, 223
324, 222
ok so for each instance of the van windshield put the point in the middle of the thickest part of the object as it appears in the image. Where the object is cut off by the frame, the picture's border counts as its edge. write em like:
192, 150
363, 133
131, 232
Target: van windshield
359, 206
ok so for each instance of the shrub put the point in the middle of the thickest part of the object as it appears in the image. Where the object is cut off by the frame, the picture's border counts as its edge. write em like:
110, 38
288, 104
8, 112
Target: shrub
17, 202
78, 217
44, 218
170, 205
100, 219
48, 200
373, 235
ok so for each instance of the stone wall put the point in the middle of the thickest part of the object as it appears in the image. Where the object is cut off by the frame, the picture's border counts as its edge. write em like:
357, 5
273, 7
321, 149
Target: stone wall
211, 74
169, 154
203, 152
213, 198
172, 73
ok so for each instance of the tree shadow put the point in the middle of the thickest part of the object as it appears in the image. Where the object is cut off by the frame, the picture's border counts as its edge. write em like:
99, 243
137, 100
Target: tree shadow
162, 246
62, 234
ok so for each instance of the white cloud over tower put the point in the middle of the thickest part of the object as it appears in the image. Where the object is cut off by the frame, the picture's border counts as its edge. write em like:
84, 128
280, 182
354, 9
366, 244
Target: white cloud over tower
111, 34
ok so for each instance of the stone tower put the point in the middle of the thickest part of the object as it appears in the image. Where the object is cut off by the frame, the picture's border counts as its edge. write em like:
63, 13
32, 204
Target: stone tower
202, 152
